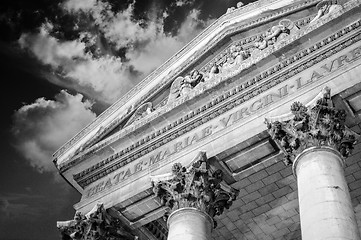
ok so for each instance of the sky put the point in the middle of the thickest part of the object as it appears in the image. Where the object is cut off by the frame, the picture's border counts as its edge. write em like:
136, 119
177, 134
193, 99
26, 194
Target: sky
63, 62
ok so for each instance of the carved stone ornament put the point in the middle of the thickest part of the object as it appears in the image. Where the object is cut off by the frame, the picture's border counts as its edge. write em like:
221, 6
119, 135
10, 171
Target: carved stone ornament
318, 124
197, 186
98, 224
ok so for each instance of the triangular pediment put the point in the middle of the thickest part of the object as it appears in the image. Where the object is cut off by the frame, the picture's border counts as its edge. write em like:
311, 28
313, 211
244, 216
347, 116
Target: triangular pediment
250, 48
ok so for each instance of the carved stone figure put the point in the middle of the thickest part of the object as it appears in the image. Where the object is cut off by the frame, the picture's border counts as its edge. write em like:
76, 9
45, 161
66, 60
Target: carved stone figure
96, 225
261, 43
141, 112
197, 186
195, 78
231, 9
318, 125
325, 7
240, 4
175, 89
277, 32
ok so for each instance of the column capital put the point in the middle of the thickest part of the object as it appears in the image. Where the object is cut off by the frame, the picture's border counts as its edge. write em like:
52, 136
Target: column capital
97, 224
315, 125
197, 186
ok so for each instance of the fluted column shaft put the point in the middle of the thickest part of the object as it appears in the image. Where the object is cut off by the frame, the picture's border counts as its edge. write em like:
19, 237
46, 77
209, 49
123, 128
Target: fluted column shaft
326, 210
189, 224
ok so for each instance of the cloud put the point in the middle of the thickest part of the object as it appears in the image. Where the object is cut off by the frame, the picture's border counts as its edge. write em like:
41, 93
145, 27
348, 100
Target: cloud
108, 76
102, 73
50, 50
105, 78
15, 206
152, 46
76, 5
42, 127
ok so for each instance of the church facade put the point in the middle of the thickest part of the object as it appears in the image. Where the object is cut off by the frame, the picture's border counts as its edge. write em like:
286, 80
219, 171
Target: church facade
250, 131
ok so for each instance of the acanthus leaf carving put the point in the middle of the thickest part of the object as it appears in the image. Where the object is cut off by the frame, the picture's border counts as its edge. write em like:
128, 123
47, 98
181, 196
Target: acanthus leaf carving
317, 125
98, 224
197, 186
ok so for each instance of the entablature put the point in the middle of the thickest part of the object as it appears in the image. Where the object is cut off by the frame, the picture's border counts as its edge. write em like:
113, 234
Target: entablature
178, 118
243, 19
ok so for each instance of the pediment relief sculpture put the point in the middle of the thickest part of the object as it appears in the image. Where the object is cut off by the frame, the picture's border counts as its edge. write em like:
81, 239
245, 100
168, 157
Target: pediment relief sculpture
229, 59
326, 7
141, 112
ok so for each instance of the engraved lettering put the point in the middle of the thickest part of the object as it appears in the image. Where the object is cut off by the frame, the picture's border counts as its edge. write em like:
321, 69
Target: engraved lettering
342, 59
207, 131
195, 138
108, 184
328, 69
138, 167
127, 174
356, 53
225, 120
315, 76
178, 147
154, 159
117, 176
256, 105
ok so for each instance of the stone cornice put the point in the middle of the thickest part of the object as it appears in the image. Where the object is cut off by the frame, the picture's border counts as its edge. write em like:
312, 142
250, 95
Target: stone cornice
220, 22
230, 99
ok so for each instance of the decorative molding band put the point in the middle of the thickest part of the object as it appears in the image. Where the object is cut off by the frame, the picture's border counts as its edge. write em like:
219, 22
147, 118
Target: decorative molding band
234, 97
187, 48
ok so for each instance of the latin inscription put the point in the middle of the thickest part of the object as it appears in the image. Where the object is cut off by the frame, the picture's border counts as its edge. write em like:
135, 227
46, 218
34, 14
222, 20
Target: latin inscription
227, 121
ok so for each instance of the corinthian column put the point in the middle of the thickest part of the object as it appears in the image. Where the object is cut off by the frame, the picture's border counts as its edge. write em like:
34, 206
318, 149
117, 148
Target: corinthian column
193, 196
316, 141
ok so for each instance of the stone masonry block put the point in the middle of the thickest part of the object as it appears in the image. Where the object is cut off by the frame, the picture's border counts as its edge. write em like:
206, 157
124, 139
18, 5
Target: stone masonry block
247, 215
251, 197
278, 202
230, 226
241, 183
248, 207
268, 189
290, 205
265, 199
282, 192
254, 186
286, 172
272, 178
355, 184
352, 168
273, 220
357, 175
262, 209
258, 176
285, 181
279, 233
275, 167
350, 178
233, 215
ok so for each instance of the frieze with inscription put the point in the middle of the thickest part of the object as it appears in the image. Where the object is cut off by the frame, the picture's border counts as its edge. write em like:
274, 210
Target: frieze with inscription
263, 102
252, 81
231, 118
